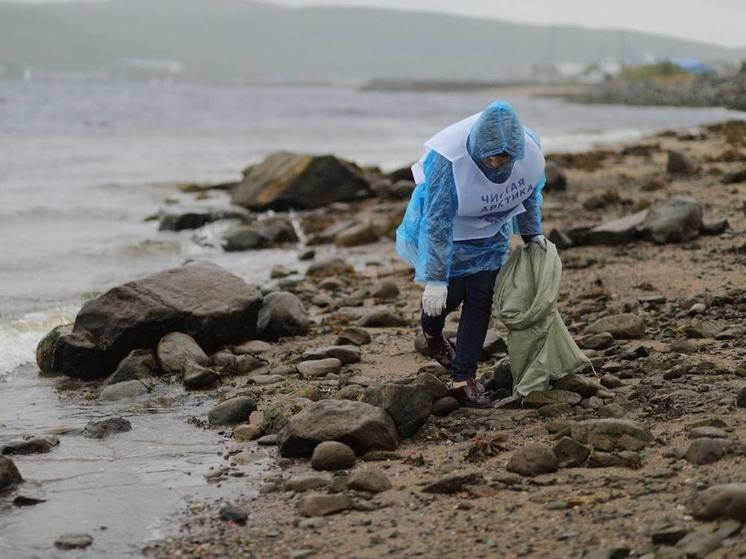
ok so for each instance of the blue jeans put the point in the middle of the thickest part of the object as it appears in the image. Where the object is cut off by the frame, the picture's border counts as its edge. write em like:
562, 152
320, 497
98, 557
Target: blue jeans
475, 292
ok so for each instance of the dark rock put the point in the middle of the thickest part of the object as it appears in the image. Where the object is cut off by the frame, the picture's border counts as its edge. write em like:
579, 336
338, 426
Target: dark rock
232, 411
45, 351
307, 254
705, 451
286, 181
106, 427
282, 315
556, 178
350, 392
560, 239
675, 220
197, 377
721, 501
453, 483
73, 541
9, 474
533, 459
231, 364
171, 221
570, 453
493, 345
359, 425
232, 513
369, 480
334, 267
346, 354
735, 177
433, 385
323, 505
385, 291
33, 445
602, 340
353, 336
617, 232
123, 390
741, 398
714, 227
679, 164
277, 230
624, 459
445, 406
382, 319
620, 326
669, 535
176, 350
140, 364
579, 384
332, 455
408, 405
241, 238
267, 440
201, 299
610, 381
357, 235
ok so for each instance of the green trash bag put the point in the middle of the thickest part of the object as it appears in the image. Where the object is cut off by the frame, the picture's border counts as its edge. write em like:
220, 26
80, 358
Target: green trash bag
540, 348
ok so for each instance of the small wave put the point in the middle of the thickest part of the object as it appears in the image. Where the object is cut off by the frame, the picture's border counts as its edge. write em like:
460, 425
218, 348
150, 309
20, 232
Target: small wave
20, 336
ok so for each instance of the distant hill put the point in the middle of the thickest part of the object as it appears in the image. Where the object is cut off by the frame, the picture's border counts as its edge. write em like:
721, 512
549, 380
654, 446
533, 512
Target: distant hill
239, 40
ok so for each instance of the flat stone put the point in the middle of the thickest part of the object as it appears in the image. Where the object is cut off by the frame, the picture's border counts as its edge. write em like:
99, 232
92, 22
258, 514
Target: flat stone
624, 459
721, 501
34, 445
332, 455
620, 326
347, 354
533, 459
265, 380
353, 336
386, 291
707, 433
669, 535
308, 482
453, 483
319, 368
106, 427
546, 397
579, 384
253, 347
73, 541
705, 451
382, 319
323, 505
123, 391
619, 231
369, 480
232, 411
605, 434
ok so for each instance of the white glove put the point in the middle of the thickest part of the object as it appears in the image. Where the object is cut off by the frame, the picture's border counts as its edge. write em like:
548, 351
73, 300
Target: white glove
540, 241
434, 298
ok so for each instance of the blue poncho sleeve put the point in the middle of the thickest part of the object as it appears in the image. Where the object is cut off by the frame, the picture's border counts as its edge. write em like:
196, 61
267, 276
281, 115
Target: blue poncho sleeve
425, 237
530, 222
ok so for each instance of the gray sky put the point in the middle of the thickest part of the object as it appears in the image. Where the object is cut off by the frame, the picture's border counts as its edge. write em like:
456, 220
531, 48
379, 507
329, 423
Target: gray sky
713, 21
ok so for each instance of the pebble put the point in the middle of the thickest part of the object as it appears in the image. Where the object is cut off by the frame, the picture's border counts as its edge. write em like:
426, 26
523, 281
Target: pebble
533, 459
369, 480
353, 336
319, 368
104, 428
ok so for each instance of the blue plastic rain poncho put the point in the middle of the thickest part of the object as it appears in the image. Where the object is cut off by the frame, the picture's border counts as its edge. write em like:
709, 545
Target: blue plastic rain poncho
425, 237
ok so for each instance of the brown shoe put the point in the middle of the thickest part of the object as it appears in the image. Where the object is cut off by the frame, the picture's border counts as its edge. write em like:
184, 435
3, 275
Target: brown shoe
440, 349
471, 395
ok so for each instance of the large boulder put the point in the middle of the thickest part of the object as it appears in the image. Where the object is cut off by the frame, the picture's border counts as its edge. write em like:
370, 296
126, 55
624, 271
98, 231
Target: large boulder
200, 299
675, 220
287, 180
360, 426
282, 315
409, 405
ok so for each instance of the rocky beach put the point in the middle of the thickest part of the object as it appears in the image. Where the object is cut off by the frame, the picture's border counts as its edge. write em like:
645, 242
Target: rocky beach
331, 430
